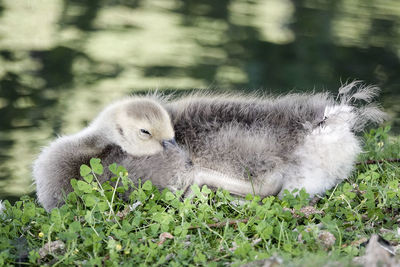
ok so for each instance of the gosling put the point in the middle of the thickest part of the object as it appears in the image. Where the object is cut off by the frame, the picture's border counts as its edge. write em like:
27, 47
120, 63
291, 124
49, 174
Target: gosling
264, 146
135, 132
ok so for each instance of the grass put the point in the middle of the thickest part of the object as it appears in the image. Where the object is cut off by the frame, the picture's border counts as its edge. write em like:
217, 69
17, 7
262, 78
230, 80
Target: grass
149, 227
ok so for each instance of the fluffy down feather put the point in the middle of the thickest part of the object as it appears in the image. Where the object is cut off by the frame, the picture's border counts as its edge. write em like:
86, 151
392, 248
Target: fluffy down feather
115, 136
265, 145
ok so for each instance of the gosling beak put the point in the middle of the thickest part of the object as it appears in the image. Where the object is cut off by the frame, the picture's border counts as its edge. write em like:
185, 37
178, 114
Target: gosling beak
167, 143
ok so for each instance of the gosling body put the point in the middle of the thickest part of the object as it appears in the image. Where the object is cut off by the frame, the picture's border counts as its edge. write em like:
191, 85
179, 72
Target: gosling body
263, 145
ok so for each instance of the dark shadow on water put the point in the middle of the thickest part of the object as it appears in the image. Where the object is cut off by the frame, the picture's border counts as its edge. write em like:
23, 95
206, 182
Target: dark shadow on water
88, 10
56, 65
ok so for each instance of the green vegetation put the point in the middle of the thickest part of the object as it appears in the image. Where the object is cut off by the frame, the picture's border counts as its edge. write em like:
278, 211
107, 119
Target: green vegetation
97, 226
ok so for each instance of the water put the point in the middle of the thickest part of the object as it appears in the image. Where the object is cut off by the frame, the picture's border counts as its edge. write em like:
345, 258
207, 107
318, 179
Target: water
61, 62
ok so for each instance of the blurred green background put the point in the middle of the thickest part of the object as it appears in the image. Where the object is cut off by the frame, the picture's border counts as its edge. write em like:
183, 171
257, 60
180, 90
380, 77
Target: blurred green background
61, 61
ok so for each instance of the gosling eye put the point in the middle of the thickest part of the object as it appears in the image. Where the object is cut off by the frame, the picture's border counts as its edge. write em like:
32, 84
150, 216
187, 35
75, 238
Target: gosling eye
145, 132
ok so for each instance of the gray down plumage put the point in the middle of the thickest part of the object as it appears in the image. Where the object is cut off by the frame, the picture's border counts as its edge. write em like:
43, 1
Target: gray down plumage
135, 132
264, 145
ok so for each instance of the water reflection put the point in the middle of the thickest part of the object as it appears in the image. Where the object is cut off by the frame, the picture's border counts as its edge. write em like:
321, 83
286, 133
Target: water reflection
62, 61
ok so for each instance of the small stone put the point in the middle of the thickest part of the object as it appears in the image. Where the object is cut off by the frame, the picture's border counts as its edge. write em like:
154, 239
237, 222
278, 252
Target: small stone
377, 255
51, 247
135, 205
169, 256
310, 210
326, 238
256, 241
234, 246
164, 236
124, 213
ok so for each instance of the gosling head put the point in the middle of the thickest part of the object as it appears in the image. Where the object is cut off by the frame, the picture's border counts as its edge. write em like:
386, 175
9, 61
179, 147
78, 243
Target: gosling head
140, 126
